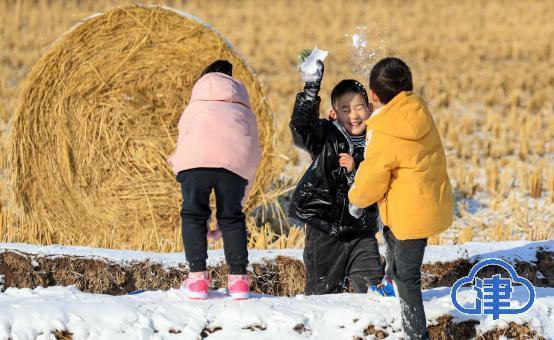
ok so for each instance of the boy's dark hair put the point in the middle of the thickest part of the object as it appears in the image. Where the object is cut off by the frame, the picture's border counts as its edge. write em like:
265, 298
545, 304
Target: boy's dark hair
221, 66
345, 86
389, 77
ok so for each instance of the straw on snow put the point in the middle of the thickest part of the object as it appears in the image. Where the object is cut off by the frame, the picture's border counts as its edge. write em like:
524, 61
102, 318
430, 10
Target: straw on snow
97, 118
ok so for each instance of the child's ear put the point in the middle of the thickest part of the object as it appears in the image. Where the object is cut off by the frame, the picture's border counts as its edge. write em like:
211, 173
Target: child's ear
332, 114
373, 97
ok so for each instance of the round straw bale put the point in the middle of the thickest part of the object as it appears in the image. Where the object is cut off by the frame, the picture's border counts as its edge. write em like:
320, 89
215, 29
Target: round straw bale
97, 118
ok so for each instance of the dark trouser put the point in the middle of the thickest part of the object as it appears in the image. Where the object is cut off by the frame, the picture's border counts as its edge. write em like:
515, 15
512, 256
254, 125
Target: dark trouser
330, 261
196, 187
404, 259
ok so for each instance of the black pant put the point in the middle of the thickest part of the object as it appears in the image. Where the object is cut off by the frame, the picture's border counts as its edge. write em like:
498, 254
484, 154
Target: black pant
330, 261
196, 187
404, 259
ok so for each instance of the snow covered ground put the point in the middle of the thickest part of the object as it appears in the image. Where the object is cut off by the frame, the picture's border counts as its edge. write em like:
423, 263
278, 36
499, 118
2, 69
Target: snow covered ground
35, 314
524, 251
38, 313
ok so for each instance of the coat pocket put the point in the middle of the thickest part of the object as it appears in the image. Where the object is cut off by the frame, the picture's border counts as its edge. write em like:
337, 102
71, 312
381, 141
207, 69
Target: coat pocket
316, 202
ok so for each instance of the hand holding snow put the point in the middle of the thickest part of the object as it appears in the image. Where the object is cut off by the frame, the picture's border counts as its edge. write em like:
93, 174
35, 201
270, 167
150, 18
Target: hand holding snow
309, 70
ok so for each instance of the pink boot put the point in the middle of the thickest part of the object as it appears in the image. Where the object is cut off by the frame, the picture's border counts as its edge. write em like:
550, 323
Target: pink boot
238, 286
197, 284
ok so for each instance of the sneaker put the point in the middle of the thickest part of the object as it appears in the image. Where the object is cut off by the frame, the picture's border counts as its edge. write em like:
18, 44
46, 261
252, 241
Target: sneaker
238, 286
385, 288
196, 285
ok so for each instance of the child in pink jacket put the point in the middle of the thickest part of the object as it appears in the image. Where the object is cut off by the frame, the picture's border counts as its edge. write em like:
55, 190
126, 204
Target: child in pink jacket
217, 149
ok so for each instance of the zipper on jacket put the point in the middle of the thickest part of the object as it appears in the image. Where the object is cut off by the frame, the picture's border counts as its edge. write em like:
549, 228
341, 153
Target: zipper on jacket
349, 178
347, 136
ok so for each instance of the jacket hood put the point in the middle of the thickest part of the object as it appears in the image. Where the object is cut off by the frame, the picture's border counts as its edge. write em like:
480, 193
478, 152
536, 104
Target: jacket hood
217, 86
406, 116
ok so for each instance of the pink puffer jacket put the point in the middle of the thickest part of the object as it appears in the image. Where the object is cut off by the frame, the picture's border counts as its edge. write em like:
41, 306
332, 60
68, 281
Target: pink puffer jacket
218, 129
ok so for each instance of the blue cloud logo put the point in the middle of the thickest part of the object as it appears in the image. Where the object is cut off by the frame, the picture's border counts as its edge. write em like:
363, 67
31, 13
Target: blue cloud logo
493, 294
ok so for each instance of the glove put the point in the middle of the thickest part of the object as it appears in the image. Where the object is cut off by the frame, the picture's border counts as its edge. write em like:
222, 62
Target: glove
336, 230
313, 81
355, 211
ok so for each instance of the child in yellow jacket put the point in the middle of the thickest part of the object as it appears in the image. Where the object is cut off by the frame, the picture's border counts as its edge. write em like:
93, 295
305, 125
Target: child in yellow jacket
404, 170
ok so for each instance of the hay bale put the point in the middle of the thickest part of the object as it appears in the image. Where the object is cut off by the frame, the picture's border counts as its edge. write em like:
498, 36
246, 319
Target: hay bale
97, 118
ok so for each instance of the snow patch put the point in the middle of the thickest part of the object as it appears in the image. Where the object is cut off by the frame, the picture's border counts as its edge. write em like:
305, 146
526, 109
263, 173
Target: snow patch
27, 313
523, 251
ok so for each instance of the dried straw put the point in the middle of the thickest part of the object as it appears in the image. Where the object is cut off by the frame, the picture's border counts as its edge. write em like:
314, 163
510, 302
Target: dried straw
97, 118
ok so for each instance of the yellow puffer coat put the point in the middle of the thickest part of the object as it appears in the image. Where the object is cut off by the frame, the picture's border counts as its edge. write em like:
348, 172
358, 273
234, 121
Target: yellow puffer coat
404, 170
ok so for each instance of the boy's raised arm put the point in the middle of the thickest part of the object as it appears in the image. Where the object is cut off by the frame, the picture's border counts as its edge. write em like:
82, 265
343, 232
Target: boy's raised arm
372, 178
308, 130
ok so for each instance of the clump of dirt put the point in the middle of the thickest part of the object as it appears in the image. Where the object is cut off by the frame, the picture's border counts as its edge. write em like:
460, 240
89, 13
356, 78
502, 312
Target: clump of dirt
302, 329
256, 327
292, 275
63, 335
545, 265
441, 274
445, 329
209, 330
377, 333
513, 331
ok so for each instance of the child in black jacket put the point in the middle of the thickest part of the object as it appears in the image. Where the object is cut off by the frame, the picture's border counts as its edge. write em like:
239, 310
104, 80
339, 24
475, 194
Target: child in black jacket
338, 245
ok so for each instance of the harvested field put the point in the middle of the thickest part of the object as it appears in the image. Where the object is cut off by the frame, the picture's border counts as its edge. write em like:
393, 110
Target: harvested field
97, 118
487, 91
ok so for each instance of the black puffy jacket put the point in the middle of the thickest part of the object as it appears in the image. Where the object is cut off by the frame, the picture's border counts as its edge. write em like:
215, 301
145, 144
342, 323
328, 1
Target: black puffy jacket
321, 197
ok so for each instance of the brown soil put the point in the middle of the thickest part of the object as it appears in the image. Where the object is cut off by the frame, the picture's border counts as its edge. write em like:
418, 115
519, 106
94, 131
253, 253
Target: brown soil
514, 331
444, 274
282, 276
445, 329
87, 274
378, 333
441, 274
545, 264
63, 335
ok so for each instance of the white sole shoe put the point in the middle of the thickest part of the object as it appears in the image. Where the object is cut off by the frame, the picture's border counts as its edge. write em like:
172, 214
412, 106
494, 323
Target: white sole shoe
196, 295
240, 296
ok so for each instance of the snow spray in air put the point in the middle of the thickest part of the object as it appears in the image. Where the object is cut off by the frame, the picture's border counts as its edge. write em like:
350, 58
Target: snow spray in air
367, 46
